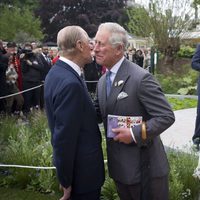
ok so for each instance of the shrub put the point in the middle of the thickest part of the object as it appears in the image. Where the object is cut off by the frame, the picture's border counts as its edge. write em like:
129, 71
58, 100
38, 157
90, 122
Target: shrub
8, 127
186, 52
170, 83
30, 146
182, 103
179, 84
182, 184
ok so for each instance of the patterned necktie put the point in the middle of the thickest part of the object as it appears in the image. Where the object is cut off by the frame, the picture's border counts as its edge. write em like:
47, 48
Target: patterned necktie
108, 82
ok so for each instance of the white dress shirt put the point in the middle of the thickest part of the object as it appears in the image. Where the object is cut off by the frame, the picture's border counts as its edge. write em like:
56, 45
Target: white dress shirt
71, 64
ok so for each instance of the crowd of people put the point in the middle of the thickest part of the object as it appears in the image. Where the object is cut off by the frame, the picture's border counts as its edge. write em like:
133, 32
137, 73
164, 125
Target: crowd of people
22, 73
141, 57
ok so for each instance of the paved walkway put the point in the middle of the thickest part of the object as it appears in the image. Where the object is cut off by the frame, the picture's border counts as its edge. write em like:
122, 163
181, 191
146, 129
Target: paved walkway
179, 135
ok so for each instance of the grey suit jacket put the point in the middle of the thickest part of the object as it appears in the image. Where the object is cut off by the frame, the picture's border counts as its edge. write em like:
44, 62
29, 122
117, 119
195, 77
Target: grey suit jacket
145, 99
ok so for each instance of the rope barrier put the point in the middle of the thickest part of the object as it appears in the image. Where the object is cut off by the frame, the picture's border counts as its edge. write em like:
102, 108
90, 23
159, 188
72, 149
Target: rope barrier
10, 95
24, 166
30, 167
14, 94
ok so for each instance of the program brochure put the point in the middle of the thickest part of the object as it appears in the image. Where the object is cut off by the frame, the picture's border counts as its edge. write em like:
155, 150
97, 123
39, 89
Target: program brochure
116, 121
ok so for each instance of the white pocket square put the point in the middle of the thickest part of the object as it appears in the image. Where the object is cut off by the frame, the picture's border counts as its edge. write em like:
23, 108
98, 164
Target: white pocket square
122, 95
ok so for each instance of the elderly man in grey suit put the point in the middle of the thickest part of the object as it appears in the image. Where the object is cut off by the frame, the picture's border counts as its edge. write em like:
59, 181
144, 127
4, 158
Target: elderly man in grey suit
128, 90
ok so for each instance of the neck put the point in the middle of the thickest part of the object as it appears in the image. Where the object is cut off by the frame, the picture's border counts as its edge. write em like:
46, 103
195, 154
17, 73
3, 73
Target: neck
74, 59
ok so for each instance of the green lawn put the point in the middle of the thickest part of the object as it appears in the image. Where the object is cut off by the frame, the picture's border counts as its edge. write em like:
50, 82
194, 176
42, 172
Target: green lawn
17, 194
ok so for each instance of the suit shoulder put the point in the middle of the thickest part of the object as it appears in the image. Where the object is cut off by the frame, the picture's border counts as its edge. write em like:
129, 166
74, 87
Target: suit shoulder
61, 76
135, 70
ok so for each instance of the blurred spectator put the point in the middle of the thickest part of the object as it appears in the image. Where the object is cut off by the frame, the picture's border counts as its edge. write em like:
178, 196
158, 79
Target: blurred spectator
3, 67
15, 61
55, 59
45, 61
134, 55
147, 59
34, 45
13, 80
92, 72
139, 58
45, 64
131, 54
31, 73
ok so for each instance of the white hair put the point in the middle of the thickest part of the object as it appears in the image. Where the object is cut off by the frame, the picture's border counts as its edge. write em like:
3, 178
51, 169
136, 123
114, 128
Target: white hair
118, 34
68, 37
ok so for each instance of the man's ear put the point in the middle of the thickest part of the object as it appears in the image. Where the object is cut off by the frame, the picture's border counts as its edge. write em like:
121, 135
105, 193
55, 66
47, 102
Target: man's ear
79, 45
119, 49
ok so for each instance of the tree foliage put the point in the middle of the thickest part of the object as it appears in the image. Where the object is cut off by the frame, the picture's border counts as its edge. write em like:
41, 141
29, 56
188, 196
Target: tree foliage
31, 4
197, 2
139, 21
163, 20
88, 14
14, 20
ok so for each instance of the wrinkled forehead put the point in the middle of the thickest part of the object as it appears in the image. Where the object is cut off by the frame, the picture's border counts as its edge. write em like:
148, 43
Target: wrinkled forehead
102, 35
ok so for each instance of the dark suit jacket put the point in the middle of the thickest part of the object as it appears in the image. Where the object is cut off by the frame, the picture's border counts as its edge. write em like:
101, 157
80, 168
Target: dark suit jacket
45, 66
92, 72
145, 99
196, 59
196, 66
76, 138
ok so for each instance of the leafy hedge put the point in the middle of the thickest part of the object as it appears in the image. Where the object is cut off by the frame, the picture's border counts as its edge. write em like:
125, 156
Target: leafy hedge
179, 84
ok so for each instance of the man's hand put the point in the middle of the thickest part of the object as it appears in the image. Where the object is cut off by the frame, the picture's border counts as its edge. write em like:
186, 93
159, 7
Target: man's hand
67, 193
123, 135
29, 62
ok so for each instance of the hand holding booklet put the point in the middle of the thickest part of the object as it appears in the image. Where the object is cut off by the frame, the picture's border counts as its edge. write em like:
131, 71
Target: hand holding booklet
116, 121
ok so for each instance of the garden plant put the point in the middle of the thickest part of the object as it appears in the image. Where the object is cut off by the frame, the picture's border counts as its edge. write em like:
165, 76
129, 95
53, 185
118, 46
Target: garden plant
29, 144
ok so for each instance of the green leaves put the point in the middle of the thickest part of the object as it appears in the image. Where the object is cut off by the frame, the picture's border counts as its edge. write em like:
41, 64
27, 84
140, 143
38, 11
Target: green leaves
139, 22
186, 52
29, 145
14, 20
163, 21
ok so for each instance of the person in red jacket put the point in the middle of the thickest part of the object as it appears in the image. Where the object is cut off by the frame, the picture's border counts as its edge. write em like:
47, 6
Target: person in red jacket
12, 50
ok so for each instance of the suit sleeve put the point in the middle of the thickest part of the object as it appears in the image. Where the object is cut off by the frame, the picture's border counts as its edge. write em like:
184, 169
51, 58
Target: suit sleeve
196, 59
156, 106
68, 107
97, 107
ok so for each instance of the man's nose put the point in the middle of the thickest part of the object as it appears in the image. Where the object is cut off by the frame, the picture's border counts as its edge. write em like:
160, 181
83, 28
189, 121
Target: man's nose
95, 48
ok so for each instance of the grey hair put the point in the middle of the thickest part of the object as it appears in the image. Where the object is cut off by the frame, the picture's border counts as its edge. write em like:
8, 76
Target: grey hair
118, 34
68, 37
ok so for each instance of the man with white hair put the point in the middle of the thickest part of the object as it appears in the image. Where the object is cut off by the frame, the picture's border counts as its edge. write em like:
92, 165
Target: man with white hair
137, 161
76, 138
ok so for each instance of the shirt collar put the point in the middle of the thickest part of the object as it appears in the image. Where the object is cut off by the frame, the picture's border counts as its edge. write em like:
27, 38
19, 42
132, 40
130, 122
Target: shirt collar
116, 67
43, 54
71, 64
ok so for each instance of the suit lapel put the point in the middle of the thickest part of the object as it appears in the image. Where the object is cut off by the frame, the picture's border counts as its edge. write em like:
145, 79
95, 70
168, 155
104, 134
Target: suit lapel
102, 94
122, 75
